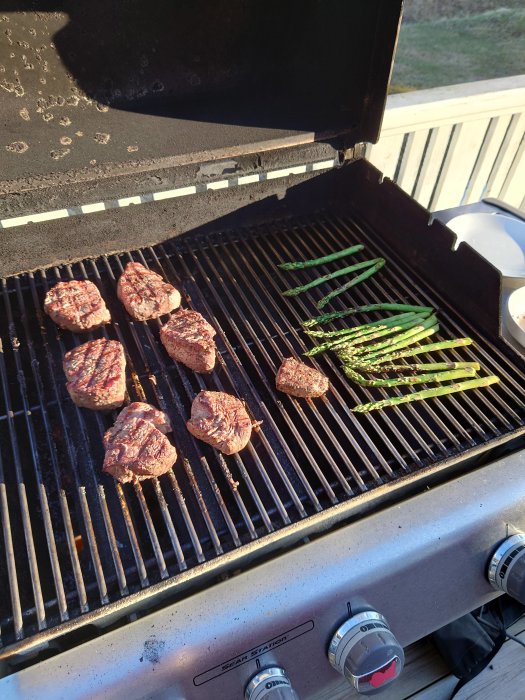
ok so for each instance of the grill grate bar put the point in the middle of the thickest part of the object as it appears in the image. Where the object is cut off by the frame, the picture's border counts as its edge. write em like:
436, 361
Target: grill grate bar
162, 403
458, 405
18, 623
64, 507
268, 417
187, 466
203, 506
50, 537
132, 536
269, 280
79, 580
93, 541
117, 563
222, 505
332, 440
151, 531
238, 461
262, 470
273, 371
22, 412
375, 292
489, 396
224, 467
22, 499
308, 455
175, 542
424, 443
138, 491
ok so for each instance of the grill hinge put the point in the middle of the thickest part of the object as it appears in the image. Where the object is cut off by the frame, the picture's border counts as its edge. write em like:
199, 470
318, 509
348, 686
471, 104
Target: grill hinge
354, 152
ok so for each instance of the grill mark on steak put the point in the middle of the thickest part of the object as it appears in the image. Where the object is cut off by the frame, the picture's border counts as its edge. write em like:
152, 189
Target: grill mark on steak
221, 420
135, 448
96, 374
138, 409
103, 350
188, 338
76, 305
297, 379
145, 294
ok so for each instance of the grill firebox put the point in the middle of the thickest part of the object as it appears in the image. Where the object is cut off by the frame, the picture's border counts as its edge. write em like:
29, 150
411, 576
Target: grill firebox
76, 544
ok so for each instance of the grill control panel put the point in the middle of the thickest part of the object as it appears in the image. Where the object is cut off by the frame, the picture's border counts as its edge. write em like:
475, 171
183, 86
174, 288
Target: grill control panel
270, 684
506, 570
366, 652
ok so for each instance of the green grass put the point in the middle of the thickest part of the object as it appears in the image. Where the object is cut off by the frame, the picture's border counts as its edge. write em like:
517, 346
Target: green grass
460, 50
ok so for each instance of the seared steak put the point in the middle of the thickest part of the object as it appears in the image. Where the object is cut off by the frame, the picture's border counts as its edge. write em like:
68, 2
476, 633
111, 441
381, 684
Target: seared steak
297, 379
188, 338
137, 409
220, 420
138, 451
145, 294
96, 374
76, 306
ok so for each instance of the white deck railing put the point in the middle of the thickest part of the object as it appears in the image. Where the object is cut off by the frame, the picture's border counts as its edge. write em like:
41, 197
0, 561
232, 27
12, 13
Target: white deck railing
455, 145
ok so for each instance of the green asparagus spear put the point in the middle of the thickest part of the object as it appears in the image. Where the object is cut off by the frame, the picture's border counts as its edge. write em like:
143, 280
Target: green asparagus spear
400, 341
412, 379
430, 347
326, 318
377, 265
326, 278
301, 264
427, 394
416, 367
363, 337
381, 325
329, 345
347, 354
356, 341
419, 336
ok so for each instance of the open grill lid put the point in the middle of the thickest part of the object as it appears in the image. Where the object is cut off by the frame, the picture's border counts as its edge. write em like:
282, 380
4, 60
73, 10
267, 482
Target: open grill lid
98, 86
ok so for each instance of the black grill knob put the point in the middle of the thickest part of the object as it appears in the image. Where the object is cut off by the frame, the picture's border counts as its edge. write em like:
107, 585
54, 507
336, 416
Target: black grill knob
507, 567
365, 651
270, 684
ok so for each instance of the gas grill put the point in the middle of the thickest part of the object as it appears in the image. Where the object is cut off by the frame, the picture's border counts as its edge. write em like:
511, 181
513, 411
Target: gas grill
229, 565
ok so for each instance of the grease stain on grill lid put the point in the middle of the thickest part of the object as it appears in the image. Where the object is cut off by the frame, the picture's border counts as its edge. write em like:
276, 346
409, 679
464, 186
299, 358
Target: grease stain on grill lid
17, 147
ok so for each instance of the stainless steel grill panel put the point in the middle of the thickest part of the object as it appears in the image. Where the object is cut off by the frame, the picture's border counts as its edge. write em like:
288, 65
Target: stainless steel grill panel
76, 543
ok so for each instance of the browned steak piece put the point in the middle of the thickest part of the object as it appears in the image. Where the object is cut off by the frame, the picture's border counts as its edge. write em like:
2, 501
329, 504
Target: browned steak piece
137, 409
139, 451
188, 338
220, 420
145, 294
297, 379
96, 374
76, 306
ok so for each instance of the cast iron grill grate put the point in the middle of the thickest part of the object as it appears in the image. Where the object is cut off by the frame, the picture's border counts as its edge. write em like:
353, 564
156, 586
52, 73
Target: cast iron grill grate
75, 542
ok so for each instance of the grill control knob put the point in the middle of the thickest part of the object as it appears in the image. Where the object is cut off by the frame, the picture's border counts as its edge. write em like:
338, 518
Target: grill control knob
270, 684
366, 652
507, 567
